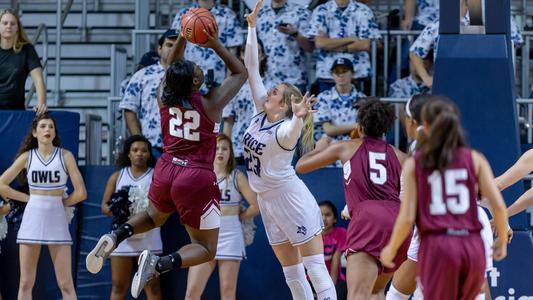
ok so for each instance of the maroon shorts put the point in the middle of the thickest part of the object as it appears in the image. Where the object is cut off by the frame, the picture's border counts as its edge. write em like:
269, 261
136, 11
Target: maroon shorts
370, 230
191, 191
451, 267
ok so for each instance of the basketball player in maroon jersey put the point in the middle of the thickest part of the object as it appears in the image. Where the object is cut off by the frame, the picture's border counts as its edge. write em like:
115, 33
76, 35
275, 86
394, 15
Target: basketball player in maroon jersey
183, 179
440, 189
372, 171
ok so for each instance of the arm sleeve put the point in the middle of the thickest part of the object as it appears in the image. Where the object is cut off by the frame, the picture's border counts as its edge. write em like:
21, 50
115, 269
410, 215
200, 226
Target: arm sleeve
32, 58
251, 60
289, 132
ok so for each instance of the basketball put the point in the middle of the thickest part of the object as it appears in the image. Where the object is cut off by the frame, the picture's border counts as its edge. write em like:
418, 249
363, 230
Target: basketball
194, 22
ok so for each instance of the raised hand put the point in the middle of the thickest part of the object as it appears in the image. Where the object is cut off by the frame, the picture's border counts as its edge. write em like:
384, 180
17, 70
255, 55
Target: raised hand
252, 17
305, 106
212, 37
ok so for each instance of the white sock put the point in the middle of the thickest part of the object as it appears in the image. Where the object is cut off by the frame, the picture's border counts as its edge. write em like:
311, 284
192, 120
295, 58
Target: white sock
480, 297
394, 294
297, 282
320, 278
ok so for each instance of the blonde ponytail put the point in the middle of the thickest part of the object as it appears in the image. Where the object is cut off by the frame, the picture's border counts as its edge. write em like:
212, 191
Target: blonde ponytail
307, 140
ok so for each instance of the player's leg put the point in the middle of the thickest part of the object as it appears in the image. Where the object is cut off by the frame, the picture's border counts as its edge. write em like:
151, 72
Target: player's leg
139, 223
29, 257
202, 249
197, 279
228, 271
61, 258
294, 271
361, 274
152, 289
312, 253
378, 292
121, 267
404, 281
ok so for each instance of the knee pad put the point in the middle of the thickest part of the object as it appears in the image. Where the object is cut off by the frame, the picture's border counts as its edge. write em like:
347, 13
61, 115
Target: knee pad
394, 294
297, 282
318, 273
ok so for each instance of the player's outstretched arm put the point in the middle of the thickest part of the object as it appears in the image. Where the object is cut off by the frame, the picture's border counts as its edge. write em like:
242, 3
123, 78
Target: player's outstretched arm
522, 167
178, 49
324, 154
220, 96
251, 60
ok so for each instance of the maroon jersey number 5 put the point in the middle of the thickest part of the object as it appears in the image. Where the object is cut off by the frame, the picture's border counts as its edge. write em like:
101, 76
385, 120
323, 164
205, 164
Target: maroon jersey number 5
378, 172
184, 123
456, 193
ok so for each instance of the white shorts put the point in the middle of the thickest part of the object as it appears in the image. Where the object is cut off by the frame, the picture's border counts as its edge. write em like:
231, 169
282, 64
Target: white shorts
230, 239
412, 252
44, 222
290, 213
486, 236
134, 245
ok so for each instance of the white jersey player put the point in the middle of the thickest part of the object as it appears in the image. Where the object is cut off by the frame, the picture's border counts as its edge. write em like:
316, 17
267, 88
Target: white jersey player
292, 218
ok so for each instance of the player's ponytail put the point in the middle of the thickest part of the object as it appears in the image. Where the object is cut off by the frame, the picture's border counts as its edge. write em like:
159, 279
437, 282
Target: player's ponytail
307, 141
178, 82
445, 133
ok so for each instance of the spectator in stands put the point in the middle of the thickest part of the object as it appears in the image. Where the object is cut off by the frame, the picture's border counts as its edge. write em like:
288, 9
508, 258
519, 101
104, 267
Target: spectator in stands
140, 99
428, 12
412, 84
148, 59
429, 38
238, 113
336, 107
334, 238
282, 28
134, 177
18, 59
229, 36
342, 28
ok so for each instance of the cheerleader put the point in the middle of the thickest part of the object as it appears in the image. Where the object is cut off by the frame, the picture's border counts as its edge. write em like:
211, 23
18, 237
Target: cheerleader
233, 186
134, 178
47, 167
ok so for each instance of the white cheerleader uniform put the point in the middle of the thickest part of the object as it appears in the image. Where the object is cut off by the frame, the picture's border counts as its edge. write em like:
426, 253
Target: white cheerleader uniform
230, 236
151, 240
289, 211
44, 220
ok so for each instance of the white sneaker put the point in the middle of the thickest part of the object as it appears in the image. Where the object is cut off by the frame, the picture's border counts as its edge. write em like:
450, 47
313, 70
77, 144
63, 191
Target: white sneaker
95, 259
145, 272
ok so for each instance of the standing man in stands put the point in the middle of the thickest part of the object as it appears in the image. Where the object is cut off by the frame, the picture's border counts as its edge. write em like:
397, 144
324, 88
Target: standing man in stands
140, 98
282, 28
